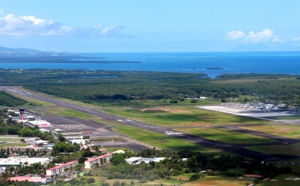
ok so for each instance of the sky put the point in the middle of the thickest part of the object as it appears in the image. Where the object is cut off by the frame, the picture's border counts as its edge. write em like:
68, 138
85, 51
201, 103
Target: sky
150, 25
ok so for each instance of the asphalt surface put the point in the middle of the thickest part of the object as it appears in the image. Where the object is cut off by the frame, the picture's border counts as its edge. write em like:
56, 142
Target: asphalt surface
231, 148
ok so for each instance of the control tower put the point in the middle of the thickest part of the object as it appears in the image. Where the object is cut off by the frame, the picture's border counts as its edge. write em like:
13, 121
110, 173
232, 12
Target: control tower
22, 112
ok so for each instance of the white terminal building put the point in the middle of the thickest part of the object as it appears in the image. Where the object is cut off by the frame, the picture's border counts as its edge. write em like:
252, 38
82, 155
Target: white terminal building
39, 123
17, 161
139, 160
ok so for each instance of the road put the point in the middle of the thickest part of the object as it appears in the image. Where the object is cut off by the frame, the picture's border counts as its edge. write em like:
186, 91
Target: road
231, 148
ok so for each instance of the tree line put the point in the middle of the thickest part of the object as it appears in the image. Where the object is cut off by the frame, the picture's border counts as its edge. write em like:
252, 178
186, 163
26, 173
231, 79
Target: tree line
109, 86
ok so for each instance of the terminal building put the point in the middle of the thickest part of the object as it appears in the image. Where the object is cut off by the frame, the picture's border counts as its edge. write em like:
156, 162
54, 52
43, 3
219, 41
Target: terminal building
18, 161
39, 123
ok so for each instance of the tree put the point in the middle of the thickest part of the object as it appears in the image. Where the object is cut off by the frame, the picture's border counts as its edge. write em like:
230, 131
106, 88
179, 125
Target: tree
82, 159
61, 138
193, 101
117, 159
79, 167
195, 177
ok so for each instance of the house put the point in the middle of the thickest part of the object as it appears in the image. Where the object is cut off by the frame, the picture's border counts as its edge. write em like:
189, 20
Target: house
61, 168
97, 160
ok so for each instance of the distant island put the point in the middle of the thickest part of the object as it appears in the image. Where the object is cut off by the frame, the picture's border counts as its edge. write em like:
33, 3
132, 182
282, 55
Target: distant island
25, 55
214, 68
209, 68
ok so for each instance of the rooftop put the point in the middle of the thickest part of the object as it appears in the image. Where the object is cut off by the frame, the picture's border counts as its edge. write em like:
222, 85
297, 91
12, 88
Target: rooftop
28, 178
98, 157
63, 165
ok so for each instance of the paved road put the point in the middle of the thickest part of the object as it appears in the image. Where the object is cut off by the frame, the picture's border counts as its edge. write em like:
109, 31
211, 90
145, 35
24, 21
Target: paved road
232, 148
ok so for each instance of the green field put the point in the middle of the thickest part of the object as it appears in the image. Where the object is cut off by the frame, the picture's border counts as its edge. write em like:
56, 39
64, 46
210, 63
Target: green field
218, 180
11, 141
281, 181
285, 117
182, 116
63, 111
225, 136
162, 141
293, 149
289, 131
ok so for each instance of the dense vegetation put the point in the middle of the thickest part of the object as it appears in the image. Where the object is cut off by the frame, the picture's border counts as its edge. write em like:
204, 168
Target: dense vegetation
177, 163
116, 86
9, 100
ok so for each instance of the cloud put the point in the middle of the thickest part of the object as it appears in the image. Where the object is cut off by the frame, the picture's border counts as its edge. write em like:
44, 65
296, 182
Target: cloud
109, 31
30, 25
112, 30
265, 35
234, 35
1, 11
296, 38
12, 25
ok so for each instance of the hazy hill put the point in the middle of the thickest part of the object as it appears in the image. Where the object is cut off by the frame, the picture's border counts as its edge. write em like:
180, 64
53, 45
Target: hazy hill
26, 52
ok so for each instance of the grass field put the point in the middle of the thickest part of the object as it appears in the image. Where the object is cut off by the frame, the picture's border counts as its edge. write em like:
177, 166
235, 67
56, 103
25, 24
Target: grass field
13, 145
289, 131
182, 116
63, 111
218, 180
293, 149
285, 117
282, 180
11, 141
162, 141
226, 136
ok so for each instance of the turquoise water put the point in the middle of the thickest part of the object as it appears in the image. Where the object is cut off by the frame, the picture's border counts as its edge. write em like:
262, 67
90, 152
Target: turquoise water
212, 64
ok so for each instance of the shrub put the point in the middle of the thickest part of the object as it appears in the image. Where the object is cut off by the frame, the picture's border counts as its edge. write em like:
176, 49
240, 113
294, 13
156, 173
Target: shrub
195, 176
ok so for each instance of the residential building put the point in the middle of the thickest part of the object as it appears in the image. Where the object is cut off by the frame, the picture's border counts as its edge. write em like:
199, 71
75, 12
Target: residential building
97, 160
61, 168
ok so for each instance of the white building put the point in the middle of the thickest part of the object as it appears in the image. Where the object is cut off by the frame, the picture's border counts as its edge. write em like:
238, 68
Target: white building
39, 123
61, 168
43, 130
17, 161
78, 141
139, 160
96, 160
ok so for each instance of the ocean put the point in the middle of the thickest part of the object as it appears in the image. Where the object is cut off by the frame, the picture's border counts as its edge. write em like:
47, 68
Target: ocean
210, 63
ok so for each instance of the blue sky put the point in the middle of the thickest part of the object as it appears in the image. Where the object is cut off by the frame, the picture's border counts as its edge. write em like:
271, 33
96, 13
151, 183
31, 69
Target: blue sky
150, 25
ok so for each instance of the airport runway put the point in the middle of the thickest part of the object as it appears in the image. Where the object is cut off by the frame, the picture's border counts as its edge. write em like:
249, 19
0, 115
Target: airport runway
231, 148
